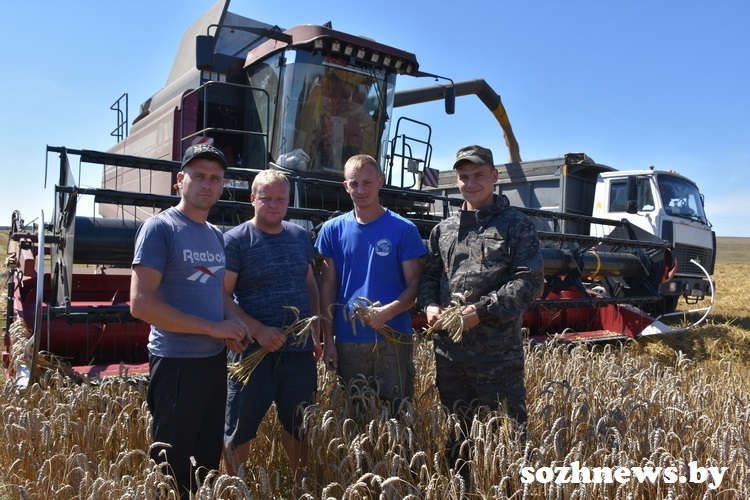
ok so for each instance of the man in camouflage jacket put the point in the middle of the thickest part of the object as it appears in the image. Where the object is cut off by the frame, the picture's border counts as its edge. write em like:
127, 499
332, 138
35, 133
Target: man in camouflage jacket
490, 251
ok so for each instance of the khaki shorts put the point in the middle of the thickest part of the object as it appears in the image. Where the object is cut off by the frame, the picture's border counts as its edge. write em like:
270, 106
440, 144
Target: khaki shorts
389, 366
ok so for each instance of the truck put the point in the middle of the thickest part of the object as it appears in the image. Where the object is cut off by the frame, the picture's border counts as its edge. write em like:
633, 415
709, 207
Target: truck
301, 100
661, 202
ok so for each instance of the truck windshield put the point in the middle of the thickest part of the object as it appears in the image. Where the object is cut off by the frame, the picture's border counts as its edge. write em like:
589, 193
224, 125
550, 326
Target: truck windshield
329, 111
680, 198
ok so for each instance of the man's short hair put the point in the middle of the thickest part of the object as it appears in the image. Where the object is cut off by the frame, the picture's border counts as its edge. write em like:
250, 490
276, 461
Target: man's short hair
268, 176
358, 162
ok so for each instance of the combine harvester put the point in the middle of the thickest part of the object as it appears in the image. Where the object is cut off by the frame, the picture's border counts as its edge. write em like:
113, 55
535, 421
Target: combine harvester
301, 100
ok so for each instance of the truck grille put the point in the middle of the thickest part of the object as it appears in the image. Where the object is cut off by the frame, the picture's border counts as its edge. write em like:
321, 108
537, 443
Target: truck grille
684, 253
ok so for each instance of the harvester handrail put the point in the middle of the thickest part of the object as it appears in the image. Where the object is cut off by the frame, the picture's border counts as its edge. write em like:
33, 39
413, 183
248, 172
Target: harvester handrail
225, 207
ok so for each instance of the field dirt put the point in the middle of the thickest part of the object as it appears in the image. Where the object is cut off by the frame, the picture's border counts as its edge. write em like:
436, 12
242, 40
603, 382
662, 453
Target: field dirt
733, 250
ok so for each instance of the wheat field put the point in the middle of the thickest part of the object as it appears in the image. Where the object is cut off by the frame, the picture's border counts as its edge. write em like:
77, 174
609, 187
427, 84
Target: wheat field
666, 401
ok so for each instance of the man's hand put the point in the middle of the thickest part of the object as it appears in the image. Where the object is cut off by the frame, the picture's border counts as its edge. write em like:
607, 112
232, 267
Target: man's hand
230, 330
469, 317
237, 347
271, 339
317, 352
317, 345
377, 320
330, 356
433, 312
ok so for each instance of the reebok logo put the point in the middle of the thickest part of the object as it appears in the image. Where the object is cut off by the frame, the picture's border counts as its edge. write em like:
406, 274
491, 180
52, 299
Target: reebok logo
193, 257
204, 273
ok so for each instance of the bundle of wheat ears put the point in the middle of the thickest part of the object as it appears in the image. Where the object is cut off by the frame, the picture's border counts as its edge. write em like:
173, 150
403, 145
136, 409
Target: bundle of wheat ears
363, 309
452, 321
300, 329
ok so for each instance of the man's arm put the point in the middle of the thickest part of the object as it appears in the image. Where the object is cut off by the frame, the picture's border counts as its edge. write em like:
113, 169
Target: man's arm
146, 305
510, 300
312, 291
429, 289
328, 293
270, 338
412, 270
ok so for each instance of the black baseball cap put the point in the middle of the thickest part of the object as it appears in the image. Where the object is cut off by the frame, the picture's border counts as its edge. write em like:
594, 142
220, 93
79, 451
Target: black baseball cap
203, 151
475, 154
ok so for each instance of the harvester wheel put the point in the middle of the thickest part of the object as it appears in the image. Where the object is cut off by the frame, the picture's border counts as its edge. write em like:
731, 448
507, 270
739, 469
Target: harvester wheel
670, 303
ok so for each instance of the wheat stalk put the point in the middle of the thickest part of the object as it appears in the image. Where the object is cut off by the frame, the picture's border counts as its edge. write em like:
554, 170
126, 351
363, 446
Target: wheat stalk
361, 310
451, 320
603, 406
300, 330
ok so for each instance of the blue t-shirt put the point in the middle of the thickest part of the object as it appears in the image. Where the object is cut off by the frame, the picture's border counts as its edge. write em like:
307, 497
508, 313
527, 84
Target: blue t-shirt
368, 260
271, 273
190, 257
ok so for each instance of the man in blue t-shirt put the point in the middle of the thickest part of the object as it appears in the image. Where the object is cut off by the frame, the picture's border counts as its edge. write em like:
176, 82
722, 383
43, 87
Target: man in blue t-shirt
176, 286
269, 270
373, 254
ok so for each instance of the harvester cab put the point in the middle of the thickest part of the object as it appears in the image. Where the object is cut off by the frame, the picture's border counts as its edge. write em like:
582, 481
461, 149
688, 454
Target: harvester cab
301, 100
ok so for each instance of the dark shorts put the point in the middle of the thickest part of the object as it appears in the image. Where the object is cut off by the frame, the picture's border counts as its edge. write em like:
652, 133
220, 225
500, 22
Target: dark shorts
389, 364
288, 379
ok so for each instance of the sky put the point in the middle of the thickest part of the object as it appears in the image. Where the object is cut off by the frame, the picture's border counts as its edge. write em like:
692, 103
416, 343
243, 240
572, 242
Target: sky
631, 84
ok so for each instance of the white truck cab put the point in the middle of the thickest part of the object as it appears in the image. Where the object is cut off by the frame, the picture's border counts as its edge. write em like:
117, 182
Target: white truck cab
671, 207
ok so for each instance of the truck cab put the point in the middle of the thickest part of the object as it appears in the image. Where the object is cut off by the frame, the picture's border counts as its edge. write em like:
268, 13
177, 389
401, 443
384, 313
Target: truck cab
671, 207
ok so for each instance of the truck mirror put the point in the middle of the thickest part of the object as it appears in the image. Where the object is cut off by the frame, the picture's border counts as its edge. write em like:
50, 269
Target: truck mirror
631, 188
450, 100
204, 52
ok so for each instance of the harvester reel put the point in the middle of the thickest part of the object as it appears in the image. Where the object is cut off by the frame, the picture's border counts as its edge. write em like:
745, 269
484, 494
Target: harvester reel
62, 243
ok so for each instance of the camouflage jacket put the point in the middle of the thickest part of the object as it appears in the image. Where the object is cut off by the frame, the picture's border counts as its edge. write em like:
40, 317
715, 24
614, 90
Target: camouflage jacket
493, 254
